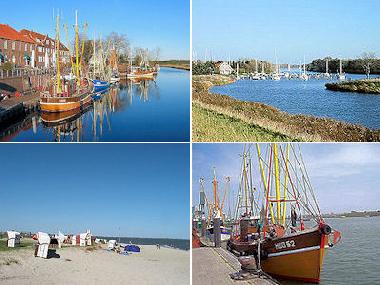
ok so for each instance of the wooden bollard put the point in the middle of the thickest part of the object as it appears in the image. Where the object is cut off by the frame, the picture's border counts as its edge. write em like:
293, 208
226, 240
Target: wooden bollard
217, 239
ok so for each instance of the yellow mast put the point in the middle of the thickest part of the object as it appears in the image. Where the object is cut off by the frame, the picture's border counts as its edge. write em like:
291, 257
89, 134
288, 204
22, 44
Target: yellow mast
277, 177
77, 47
68, 46
266, 188
57, 44
286, 184
82, 50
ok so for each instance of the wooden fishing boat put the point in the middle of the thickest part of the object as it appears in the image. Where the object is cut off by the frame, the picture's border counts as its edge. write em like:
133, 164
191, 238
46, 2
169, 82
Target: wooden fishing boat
137, 72
285, 250
65, 94
298, 256
65, 101
52, 119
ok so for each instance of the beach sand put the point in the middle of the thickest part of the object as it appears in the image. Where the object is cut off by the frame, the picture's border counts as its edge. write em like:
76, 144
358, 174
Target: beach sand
77, 265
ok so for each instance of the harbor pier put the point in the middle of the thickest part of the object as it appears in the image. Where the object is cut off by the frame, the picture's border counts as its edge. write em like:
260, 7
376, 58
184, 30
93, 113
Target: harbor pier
15, 108
214, 266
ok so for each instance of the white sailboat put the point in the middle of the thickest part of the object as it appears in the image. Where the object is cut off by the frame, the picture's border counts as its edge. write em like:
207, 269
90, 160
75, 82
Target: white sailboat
304, 76
341, 75
276, 75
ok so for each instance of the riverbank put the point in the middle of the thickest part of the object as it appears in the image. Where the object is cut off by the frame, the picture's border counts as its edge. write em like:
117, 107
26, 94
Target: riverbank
368, 86
269, 119
96, 265
179, 64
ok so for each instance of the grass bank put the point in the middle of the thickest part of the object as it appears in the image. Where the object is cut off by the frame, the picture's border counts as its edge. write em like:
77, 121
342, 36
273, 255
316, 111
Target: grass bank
369, 86
210, 126
253, 117
180, 64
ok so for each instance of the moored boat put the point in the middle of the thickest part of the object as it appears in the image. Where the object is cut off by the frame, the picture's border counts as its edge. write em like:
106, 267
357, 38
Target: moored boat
100, 85
137, 72
66, 92
286, 249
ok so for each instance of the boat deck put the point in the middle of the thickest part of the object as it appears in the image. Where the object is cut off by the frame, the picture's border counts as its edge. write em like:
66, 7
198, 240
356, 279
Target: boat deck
214, 266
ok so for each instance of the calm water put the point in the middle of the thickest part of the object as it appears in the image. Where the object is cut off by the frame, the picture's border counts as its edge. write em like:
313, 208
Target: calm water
356, 259
148, 110
310, 98
176, 243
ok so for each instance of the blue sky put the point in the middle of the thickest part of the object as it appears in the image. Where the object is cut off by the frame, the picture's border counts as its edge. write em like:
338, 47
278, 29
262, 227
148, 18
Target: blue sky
147, 23
344, 176
252, 28
141, 188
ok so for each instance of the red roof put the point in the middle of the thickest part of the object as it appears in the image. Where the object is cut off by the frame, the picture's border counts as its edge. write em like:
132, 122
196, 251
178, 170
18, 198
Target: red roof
41, 37
6, 32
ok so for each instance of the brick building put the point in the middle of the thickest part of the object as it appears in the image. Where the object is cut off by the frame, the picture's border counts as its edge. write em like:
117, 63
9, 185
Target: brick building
45, 52
29, 49
14, 47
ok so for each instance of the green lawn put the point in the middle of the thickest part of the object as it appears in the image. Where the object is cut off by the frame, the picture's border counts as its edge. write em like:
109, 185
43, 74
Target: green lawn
24, 244
211, 126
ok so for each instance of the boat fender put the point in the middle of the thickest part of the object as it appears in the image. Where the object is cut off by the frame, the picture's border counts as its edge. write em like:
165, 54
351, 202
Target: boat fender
326, 229
263, 254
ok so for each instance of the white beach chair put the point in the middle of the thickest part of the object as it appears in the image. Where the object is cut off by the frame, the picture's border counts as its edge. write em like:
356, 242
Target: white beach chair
84, 237
61, 238
42, 245
74, 240
13, 238
111, 244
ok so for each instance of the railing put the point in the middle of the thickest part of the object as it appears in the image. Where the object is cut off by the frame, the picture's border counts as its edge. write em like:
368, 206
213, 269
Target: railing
18, 72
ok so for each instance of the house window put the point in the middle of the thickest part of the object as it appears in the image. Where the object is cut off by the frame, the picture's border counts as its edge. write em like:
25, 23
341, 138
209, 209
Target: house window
31, 48
5, 45
26, 47
40, 49
13, 45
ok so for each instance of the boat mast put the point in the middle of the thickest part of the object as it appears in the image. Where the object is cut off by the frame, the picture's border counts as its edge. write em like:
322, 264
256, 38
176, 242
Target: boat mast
277, 181
68, 46
340, 67
304, 65
327, 66
286, 184
57, 44
215, 189
77, 47
265, 184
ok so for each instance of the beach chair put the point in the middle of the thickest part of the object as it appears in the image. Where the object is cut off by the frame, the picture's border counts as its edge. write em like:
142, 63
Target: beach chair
13, 239
111, 244
42, 247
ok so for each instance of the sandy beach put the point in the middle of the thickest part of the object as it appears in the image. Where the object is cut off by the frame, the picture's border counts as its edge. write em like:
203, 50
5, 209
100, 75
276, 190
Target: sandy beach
77, 265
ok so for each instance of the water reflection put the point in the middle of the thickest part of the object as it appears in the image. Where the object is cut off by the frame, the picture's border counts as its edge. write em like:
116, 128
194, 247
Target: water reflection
134, 110
68, 126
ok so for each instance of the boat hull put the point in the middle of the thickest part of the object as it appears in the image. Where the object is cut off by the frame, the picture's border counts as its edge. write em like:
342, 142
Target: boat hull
297, 256
64, 104
140, 75
100, 85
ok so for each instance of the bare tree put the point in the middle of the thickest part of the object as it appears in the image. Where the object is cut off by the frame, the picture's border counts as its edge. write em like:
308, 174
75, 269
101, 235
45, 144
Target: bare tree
155, 55
367, 59
119, 42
